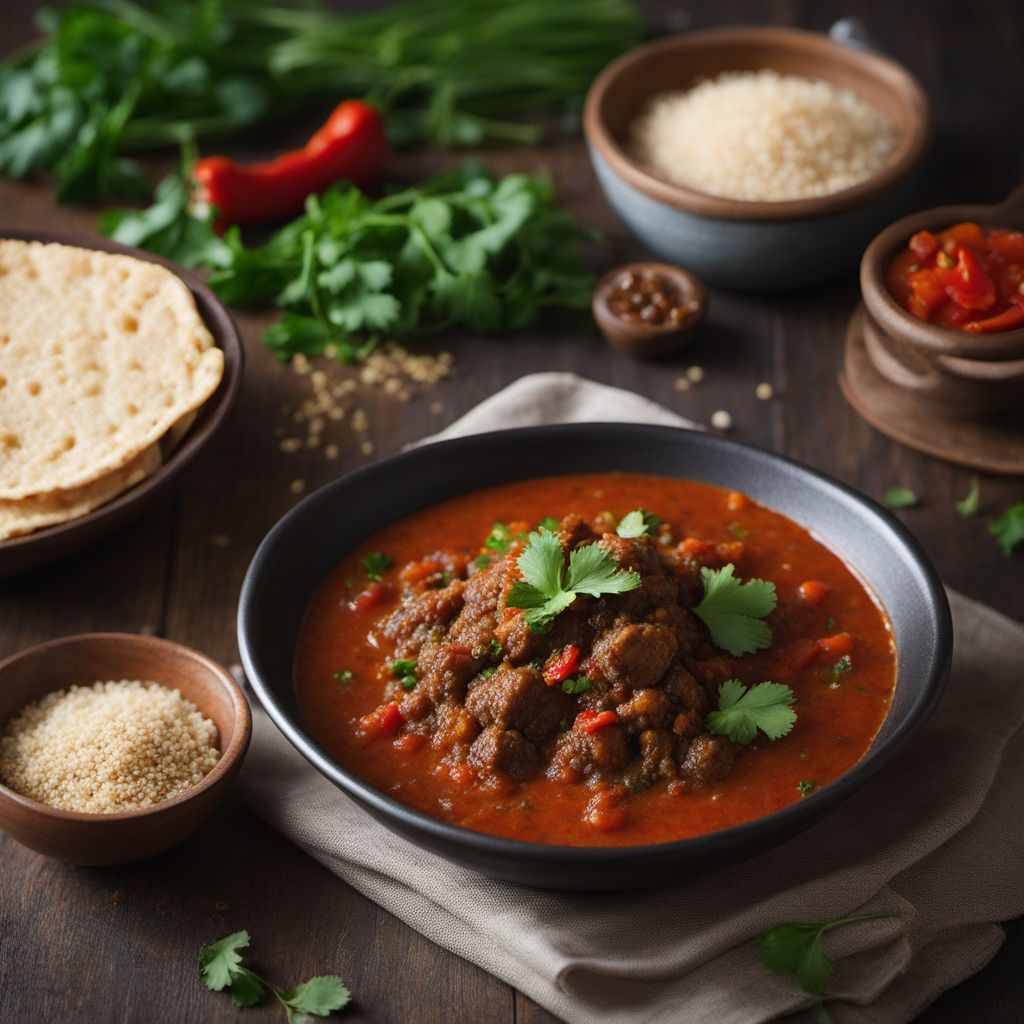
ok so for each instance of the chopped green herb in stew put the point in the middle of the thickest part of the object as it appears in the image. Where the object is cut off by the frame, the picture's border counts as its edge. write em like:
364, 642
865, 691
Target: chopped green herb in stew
376, 563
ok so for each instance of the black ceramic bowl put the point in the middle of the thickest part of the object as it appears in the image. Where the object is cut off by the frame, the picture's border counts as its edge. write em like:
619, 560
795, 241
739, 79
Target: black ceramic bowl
308, 542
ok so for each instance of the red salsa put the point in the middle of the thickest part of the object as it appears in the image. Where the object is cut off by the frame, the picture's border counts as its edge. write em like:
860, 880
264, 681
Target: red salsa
967, 277
429, 664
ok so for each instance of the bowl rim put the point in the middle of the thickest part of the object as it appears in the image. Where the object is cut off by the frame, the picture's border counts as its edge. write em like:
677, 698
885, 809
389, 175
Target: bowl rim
210, 415
802, 812
897, 321
908, 154
229, 758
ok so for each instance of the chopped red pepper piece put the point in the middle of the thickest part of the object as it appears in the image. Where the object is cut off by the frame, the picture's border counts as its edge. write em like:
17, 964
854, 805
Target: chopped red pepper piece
799, 655
924, 245
968, 285
385, 720
812, 592
590, 721
561, 665
369, 598
1008, 320
838, 646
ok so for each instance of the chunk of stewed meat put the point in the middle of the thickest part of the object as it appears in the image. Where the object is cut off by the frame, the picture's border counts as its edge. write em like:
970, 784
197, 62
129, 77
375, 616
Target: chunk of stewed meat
657, 759
445, 669
646, 709
579, 754
518, 698
504, 750
476, 622
708, 758
637, 655
416, 619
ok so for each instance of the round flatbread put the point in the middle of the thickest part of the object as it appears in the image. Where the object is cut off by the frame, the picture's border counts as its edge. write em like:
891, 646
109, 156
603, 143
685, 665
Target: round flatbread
26, 515
100, 355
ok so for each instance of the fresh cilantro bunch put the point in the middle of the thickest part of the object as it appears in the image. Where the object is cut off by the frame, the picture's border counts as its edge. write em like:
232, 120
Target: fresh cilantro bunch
548, 587
741, 712
1008, 529
461, 250
733, 611
221, 967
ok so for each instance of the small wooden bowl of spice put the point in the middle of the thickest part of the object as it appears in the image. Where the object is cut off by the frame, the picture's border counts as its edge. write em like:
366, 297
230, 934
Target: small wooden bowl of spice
115, 747
649, 310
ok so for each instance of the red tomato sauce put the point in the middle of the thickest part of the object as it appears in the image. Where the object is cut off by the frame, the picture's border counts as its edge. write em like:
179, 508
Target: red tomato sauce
819, 598
967, 277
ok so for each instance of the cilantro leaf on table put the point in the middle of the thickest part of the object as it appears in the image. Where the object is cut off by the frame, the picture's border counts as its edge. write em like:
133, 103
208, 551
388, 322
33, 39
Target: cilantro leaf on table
636, 524
741, 712
220, 962
968, 505
1008, 529
548, 587
899, 497
221, 968
733, 610
796, 948
460, 250
319, 996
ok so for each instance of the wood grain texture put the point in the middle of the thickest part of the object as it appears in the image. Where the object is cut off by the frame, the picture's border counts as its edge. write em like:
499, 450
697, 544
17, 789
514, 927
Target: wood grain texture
119, 944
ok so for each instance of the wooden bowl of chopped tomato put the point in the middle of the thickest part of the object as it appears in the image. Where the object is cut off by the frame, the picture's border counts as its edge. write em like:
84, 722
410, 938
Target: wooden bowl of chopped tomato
944, 296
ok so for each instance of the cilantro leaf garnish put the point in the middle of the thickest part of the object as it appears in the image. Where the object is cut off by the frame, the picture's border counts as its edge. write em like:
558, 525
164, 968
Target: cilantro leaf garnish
221, 967
805, 787
376, 563
732, 610
796, 949
968, 505
636, 524
548, 587
548, 523
899, 497
741, 712
1008, 529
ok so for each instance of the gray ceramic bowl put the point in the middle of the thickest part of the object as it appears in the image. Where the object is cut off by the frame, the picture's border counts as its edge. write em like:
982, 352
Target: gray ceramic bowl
308, 542
742, 244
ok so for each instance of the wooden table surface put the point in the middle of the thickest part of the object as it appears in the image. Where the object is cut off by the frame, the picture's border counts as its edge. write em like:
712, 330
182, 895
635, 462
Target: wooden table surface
119, 944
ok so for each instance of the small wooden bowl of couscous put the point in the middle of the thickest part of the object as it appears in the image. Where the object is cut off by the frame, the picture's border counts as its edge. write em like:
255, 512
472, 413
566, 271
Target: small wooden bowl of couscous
757, 157
115, 747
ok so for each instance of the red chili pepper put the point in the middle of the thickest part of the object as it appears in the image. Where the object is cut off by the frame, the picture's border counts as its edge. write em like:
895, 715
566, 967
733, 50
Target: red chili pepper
561, 665
350, 145
590, 721
369, 598
383, 721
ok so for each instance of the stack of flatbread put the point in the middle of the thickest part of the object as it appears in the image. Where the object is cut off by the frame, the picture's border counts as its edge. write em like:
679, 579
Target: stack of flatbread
104, 361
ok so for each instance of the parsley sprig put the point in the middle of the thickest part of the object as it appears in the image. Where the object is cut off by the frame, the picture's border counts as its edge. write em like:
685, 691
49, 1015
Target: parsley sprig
796, 948
221, 967
741, 712
733, 610
548, 587
376, 563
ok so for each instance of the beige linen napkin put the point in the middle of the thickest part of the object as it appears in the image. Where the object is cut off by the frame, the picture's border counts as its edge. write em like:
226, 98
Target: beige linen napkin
938, 837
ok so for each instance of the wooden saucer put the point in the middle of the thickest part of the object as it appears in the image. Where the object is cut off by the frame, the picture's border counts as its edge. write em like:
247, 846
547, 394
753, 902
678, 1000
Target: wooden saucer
994, 446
